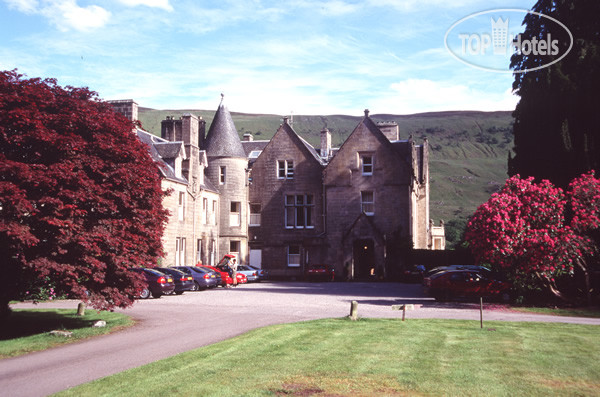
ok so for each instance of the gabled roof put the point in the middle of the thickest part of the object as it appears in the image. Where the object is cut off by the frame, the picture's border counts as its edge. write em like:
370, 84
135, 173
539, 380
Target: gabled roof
165, 169
170, 150
222, 139
362, 220
311, 150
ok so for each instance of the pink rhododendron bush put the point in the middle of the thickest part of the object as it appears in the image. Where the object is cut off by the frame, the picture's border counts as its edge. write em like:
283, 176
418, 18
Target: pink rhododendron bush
539, 235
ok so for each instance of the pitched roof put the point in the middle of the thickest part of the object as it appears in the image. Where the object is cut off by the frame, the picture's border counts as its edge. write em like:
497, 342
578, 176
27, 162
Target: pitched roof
165, 169
169, 150
222, 139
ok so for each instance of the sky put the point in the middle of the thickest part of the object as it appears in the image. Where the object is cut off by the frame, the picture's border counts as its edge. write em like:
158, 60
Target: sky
276, 57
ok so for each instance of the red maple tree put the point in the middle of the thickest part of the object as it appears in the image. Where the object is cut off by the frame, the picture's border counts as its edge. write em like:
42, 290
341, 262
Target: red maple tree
80, 196
524, 231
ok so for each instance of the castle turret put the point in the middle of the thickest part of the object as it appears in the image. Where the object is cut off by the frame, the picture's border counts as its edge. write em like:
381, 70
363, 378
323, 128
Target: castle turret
227, 170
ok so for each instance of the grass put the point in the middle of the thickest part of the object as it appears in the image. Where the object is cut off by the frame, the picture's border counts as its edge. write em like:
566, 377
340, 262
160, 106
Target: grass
339, 357
26, 330
557, 311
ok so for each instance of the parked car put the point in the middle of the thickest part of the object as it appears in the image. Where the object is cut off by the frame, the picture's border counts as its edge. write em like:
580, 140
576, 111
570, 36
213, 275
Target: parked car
413, 274
227, 280
262, 273
158, 284
250, 273
183, 282
455, 283
203, 277
456, 267
320, 272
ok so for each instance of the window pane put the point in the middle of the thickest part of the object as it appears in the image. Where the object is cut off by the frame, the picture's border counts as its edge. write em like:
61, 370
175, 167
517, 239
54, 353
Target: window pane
294, 255
281, 169
290, 219
367, 203
290, 169
299, 216
255, 214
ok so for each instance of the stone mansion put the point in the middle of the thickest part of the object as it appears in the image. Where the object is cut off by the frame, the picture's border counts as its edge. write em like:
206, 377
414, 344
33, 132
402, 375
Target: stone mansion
282, 204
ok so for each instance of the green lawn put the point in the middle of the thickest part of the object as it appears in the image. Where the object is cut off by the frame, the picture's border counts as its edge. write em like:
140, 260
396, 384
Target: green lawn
338, 357
28, 330
592, 312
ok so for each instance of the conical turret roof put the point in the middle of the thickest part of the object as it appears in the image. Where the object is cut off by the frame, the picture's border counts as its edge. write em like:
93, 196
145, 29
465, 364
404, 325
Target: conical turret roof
222, 139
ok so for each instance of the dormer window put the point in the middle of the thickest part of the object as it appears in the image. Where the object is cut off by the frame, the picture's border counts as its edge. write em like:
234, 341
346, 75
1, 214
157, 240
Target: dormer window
254, 154
366, 164
285, 169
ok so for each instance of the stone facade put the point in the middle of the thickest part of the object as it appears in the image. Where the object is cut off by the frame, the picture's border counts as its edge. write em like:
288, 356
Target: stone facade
286, 201
191, 234
283, 205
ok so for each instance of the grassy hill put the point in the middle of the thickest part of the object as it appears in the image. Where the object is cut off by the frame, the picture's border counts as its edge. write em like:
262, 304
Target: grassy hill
468, 158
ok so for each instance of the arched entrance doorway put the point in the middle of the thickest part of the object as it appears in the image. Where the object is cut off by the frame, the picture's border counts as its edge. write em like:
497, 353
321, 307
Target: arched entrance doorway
364, 259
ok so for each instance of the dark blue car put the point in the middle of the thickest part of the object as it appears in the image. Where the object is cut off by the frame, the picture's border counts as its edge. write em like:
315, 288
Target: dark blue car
204, 278
183, 282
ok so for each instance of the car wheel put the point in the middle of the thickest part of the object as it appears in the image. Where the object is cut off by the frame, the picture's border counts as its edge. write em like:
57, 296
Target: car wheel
157, 295
178, 292
145, 294
196, 286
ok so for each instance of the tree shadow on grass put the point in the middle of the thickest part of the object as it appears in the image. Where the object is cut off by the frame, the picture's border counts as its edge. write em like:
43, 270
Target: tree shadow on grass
23, 323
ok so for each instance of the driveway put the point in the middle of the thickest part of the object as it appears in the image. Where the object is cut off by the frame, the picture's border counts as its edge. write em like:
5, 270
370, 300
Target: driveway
174, 324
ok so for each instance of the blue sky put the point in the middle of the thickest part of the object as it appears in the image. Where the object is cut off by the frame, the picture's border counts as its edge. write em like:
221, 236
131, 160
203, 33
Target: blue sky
280, 57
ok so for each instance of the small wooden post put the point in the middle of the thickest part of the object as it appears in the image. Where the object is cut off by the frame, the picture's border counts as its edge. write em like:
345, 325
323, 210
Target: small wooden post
404, 308
354, 311
481, 312
81, 309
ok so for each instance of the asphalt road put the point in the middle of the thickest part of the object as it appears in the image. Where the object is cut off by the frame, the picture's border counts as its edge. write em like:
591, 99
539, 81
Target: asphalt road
174, 324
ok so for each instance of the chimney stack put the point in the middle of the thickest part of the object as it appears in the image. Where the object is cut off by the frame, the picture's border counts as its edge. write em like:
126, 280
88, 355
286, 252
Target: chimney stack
325, 143
127, 107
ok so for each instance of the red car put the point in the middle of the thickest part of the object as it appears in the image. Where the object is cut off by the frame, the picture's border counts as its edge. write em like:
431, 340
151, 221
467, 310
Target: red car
241, 278
464, 283
320, 272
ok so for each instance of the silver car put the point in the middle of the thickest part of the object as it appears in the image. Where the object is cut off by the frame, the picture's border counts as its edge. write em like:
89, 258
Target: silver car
250, 273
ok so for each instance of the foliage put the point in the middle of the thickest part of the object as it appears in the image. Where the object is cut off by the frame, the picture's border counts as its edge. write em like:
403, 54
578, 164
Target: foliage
80, 197
556, 132
523, 230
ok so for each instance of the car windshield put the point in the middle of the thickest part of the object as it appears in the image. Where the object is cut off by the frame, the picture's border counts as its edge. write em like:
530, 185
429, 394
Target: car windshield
155, 272
175, 272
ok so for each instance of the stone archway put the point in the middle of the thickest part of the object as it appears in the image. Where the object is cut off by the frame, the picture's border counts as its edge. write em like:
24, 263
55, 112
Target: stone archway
363, 255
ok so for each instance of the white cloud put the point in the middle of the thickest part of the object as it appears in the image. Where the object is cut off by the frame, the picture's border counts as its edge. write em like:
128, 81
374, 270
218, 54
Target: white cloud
26, 6
164, 4
421, 95
68, 15
64, 14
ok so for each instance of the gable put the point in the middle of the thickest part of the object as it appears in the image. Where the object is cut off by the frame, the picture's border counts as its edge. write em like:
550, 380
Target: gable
287, 145
389, 165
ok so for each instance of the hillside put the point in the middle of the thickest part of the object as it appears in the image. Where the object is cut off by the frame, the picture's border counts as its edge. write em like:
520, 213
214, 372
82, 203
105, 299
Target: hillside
468, 159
